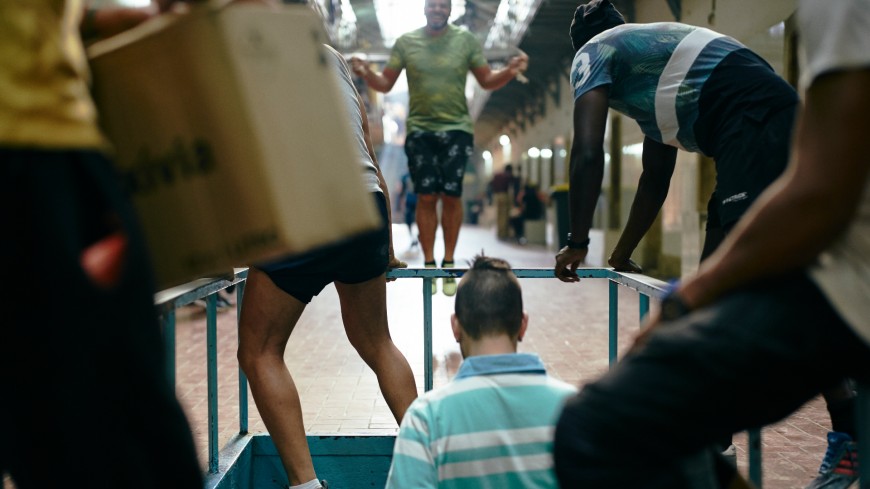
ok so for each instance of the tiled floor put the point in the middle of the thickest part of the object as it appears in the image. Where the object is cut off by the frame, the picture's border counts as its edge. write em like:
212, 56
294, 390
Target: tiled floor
568, 328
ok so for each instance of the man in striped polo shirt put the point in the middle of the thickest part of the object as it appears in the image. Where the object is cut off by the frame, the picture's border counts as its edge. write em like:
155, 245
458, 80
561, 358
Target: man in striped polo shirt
492, 426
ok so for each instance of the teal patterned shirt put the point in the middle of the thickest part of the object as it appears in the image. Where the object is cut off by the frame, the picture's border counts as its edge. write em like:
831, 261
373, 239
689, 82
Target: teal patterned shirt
655, 73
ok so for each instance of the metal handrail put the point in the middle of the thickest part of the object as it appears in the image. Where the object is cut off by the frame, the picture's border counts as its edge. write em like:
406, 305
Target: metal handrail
169, 300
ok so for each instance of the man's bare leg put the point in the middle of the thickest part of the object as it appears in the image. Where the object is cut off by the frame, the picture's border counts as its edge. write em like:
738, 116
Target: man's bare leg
268, 317
364, 312
427, 224
451, 221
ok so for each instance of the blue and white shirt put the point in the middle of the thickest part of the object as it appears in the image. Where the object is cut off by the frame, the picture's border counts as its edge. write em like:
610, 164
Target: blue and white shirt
655, 73
492, 426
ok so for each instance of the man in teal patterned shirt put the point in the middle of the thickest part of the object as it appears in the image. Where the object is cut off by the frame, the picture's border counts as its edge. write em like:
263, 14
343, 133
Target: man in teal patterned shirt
440, 136
689, 88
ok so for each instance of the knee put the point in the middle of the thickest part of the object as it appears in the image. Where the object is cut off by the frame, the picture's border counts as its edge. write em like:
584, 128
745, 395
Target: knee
371, 350
246, 360
427, 201
451, 203
249, 359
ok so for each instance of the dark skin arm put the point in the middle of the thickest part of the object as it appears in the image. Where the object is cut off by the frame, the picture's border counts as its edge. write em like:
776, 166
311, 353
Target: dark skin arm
587, 170
658, 166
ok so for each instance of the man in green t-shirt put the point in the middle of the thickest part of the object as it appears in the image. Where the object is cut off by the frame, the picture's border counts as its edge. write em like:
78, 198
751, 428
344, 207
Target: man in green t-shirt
440, 132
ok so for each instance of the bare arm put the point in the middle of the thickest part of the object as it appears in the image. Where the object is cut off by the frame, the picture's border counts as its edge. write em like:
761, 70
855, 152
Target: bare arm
811, 205
382, 82
491, 79
587, 170
658, 166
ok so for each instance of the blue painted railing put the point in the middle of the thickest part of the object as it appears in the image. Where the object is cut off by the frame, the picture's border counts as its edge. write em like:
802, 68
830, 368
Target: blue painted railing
169, 300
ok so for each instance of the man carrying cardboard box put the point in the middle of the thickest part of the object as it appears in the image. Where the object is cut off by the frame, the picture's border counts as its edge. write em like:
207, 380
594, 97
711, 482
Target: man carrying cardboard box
277, 293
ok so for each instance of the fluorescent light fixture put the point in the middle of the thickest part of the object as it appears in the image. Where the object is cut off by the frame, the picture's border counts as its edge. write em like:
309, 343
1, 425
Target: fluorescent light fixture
134, 3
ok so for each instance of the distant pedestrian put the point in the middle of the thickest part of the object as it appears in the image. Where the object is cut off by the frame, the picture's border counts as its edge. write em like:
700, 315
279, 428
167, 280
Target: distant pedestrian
504, 188
408, 203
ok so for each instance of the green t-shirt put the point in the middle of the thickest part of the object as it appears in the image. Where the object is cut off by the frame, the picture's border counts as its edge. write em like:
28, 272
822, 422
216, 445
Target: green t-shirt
437, 68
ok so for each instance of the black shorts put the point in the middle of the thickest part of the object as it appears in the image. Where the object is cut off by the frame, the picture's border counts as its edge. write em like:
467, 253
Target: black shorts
81, 365
436, 160
354, 261
757, 155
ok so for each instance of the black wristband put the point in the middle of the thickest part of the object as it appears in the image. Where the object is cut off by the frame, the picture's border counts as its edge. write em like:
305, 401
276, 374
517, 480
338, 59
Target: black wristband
673, 307
577, 245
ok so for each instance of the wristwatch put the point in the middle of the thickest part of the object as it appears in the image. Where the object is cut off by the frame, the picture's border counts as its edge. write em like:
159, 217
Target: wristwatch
673, 307
577, 245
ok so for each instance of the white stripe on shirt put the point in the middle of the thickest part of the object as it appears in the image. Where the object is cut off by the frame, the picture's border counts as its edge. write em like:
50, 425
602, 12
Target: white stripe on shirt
672, 77
413, 449
494, 438
489, 466
486, 382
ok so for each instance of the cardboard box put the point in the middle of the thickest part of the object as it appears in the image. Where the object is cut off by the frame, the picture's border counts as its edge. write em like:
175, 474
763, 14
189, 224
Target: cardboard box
231, 136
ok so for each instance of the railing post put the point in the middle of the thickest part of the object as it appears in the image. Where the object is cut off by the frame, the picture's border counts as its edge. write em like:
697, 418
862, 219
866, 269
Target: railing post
613, 320
644, 306
243, 381
754, 436
427, 334
211, 372
168, 323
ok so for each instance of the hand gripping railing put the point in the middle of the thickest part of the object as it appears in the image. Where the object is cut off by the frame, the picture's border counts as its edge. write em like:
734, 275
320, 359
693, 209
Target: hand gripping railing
169, 300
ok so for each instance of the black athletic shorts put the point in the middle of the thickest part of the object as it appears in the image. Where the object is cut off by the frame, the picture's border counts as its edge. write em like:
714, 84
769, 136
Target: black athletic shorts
436, 160
757, 157
354, 261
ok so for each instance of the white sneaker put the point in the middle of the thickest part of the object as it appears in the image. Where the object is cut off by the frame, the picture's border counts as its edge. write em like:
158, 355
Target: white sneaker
730, 455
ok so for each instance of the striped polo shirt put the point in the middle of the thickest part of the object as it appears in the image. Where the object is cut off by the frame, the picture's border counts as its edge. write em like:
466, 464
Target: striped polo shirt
491, 427
655, 73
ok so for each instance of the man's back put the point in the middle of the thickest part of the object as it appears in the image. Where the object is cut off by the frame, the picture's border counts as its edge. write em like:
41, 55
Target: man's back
658, 75
490, 427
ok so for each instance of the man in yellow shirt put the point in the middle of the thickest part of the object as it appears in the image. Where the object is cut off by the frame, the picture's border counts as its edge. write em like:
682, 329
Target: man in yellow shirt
85, 397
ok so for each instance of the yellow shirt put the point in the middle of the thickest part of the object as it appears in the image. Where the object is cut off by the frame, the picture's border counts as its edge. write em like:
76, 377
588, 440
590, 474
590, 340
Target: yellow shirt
44, 98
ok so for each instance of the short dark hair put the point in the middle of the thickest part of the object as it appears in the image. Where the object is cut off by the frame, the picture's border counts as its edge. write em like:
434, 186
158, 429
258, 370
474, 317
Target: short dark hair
489, 300
591, 19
